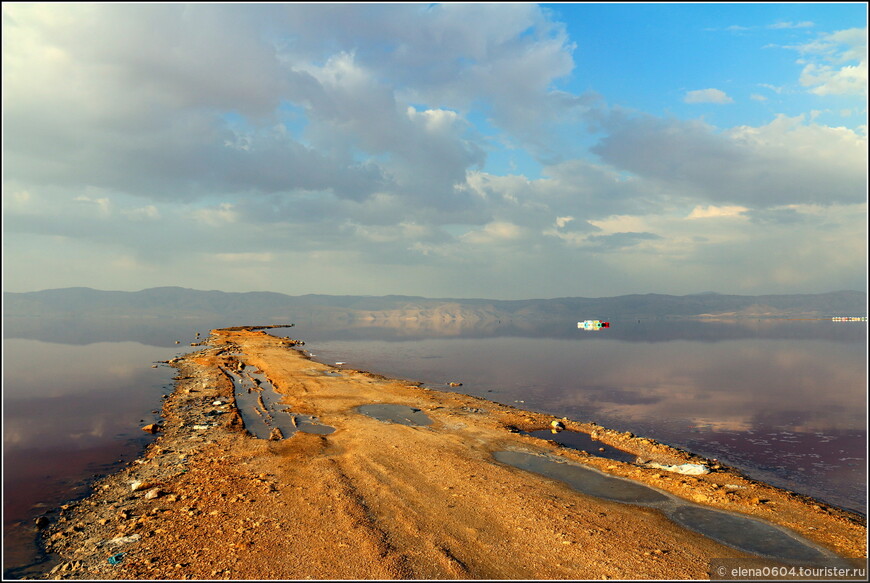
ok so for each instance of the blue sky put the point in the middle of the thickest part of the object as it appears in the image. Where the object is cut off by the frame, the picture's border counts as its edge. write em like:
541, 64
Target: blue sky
460, 150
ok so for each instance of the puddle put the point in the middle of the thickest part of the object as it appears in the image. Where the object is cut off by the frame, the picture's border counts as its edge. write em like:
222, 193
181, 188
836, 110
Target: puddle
401, 414
741, 532
746, 534
259, 405
583, 442
583, 479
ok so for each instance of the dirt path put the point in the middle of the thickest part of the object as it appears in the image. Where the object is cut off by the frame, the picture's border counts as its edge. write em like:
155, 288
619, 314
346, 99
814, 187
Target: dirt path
377, 500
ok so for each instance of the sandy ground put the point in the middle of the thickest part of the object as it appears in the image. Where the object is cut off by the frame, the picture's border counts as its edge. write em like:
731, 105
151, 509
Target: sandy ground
377, 500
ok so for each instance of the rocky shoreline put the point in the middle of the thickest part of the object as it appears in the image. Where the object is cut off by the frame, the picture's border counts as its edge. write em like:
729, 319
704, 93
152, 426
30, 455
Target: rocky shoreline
375, 500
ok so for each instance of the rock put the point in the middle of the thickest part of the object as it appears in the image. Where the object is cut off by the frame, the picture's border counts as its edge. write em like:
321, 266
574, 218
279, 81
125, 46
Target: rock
685, 469
153, 493
454, 384
41, 522
151, 428
122, 540
137, 485
275, 434
557, 425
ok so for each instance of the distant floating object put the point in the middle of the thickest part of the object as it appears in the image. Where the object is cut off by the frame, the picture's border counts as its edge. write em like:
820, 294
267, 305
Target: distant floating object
849, 319
592, 325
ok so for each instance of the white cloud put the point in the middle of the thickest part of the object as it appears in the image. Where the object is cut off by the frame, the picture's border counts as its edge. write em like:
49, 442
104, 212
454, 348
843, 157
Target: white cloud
707, 96
825, 80
495, 232
709, 212
836, 63
803, 24
786, 161
224, 213
288, 133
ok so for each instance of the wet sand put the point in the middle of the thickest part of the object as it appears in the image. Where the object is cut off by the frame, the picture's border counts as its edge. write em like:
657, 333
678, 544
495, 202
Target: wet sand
387, 500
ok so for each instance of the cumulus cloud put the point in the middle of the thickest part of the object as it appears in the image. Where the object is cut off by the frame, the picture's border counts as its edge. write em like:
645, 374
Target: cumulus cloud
785, 161
288, 134
836, 63
707, 96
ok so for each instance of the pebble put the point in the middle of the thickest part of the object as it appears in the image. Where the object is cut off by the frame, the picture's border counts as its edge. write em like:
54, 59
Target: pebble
153, 493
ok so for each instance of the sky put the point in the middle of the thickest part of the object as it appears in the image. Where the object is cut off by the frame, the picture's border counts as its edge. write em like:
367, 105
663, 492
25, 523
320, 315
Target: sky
458, 150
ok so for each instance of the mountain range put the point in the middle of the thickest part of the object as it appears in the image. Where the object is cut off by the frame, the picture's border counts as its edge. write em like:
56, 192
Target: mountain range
271, 307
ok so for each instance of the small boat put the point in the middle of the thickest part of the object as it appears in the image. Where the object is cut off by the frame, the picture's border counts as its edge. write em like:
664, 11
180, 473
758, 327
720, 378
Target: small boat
592, 325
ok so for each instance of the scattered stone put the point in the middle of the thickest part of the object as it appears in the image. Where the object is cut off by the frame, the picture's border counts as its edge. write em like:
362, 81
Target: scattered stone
557, 425
151, 428
137, 485
41, 522
454, 384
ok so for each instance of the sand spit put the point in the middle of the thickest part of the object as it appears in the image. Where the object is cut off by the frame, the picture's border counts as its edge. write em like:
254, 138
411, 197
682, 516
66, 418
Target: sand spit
380, 500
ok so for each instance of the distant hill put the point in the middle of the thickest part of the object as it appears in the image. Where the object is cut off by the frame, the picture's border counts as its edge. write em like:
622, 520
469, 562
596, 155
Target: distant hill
269, 307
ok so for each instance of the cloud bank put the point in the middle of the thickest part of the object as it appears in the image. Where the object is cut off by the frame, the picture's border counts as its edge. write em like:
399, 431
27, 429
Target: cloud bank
286, 147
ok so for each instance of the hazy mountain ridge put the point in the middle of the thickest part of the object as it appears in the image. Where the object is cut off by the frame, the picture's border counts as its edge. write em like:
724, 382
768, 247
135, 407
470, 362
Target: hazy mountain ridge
271, 306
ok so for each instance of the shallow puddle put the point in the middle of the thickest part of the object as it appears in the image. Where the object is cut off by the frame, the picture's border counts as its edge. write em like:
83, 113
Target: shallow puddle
741, 532
259, 405
583, 479
583, 442
746, 534
390, 413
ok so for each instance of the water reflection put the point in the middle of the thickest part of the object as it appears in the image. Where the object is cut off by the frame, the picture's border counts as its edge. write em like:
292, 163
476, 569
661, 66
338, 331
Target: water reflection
69, 412
783, 400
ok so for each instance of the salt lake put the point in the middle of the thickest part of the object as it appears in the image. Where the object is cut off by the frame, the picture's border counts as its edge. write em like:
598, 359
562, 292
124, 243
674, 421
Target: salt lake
784, 401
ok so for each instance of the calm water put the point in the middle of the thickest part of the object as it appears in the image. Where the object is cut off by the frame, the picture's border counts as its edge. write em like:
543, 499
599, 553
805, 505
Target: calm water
785, 401
70, 413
